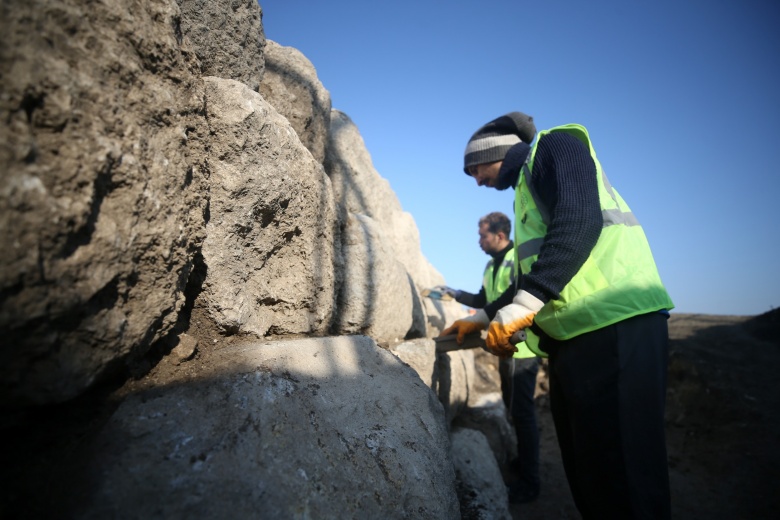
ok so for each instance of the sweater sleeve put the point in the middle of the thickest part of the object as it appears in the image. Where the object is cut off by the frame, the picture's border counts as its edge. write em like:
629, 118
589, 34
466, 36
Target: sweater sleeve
475, 301
492, 308
564, 177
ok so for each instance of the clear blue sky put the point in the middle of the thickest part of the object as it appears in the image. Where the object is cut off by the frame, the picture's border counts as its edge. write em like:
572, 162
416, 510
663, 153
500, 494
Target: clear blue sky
681, 99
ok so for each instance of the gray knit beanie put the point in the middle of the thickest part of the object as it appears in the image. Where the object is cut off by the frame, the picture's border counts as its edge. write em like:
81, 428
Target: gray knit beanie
492, 141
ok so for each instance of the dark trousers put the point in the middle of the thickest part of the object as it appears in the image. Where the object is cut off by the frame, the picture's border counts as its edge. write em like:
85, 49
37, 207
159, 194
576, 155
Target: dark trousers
607, 396
518, 382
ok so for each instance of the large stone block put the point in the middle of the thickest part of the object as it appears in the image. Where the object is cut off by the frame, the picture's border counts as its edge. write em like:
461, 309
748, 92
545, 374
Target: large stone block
358, 188
487, 413
441, 314
291, 85
451, 375
481, 490
228, 38
269, 253
375, 297
314, 428
420, 355
103, 194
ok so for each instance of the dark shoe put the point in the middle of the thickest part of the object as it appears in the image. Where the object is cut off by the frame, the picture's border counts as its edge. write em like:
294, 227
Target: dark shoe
521, 494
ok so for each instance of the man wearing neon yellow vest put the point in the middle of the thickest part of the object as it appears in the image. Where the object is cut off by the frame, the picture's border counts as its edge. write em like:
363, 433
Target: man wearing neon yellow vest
518, 372
591, 291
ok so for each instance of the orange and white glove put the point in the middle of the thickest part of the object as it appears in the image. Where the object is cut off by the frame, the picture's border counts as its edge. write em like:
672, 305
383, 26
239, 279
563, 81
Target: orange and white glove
516, 316
462, 327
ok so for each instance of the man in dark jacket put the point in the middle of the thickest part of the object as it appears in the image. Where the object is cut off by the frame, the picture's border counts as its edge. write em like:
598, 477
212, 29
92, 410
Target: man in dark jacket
592, 293
518, 373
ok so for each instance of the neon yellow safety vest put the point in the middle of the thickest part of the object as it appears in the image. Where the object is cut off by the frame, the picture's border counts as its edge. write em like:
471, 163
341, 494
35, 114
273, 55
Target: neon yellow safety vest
496, 284
618, 280
495, 287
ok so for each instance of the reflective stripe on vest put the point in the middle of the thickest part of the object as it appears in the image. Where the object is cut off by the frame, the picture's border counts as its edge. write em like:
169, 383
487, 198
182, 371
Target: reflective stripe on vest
617, 281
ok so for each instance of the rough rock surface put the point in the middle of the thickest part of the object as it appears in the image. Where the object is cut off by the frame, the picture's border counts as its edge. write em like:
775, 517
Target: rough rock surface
159, 219
104, 206
451, 375
358, 188
483, 495
469, 388
227, 36
375, 297
488, 379
291, 85
455, 376
441, 314
102, 188
483, 441
269, 252
313, 428
486, 413
420, 354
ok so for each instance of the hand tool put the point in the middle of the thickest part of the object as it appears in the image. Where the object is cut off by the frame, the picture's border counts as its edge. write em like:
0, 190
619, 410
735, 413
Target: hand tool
475, 339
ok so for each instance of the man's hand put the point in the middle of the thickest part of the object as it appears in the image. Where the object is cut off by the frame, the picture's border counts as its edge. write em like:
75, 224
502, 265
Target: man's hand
518, 315
462, 327
449, 291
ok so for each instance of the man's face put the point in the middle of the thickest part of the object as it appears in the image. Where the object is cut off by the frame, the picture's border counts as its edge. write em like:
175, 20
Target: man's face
489, 242
486, 174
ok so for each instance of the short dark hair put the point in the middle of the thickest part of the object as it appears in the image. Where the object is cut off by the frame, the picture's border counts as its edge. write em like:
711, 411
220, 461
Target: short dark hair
496, 222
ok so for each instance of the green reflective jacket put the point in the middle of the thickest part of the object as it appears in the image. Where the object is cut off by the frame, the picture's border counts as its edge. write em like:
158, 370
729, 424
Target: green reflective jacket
617, 281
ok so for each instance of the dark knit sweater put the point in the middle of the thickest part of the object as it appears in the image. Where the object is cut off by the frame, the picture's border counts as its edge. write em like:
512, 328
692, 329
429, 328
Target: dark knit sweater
564, 177
479, 300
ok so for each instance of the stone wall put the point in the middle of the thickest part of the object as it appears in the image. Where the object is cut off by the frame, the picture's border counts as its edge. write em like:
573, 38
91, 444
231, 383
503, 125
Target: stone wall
172, 178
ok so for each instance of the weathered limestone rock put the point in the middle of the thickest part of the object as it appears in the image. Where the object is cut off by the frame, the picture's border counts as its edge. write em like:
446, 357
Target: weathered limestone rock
291, 85
227, 36
314, 428
479, 478
270, 247
102, 187
358, 188
419, 328
486, 413
441, 314
419, 354
375, 297
450, 374
454, 380
488, 378
468, 400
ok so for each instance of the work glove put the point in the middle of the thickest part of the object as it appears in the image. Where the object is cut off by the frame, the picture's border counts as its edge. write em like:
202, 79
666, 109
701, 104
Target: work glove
516, 316
462, 327
448, 291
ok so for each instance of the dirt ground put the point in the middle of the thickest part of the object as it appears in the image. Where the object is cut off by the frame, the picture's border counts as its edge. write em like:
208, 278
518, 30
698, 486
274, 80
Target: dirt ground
723, 424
